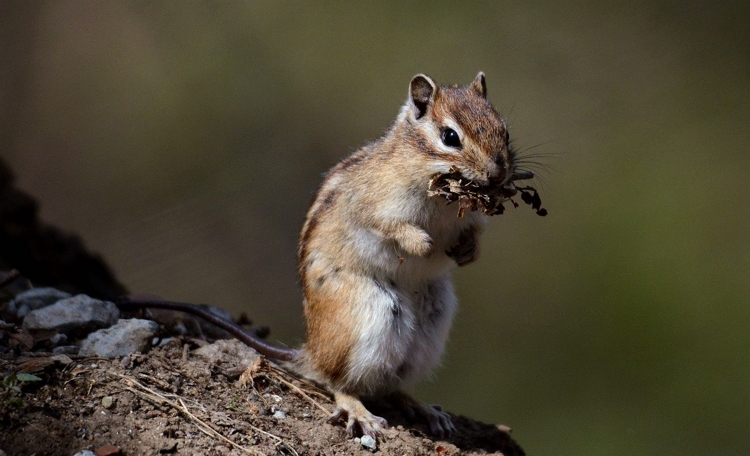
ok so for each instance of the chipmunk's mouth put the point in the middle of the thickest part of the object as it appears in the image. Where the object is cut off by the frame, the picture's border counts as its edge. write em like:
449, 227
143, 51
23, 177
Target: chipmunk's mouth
455, 187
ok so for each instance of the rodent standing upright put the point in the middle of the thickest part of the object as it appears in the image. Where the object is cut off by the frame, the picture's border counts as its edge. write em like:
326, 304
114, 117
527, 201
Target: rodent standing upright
376, 252
377, 249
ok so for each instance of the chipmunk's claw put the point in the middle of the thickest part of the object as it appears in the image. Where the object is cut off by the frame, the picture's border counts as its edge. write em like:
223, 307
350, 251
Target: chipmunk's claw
359, 421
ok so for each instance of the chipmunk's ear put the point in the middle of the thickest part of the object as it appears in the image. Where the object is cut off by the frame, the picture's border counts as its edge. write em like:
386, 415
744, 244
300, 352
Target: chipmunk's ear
479, 86
421, 94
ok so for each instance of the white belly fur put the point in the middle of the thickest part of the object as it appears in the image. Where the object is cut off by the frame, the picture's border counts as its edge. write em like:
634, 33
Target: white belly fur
406, 307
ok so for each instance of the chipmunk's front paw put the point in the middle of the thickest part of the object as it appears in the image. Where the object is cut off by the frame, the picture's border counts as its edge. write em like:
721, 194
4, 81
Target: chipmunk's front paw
464, 254
415, 241
466, 250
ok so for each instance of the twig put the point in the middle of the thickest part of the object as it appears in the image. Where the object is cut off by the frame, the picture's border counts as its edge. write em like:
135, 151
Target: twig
158, 400
205, 427
155, 380
211, 432
312, 389
13, 274
301, 393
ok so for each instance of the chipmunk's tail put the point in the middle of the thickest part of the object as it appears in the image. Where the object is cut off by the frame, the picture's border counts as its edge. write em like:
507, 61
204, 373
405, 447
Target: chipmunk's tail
248, 337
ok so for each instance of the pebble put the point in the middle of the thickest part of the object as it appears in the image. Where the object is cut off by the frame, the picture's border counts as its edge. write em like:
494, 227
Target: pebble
34, 299
66, 350
232, 349
279, 415
79, 314
368, 442
126, 337
107, 402
61, 358
85, 453
58, 339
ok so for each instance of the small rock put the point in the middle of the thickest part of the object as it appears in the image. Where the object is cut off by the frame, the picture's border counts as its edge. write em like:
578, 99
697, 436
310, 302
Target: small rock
162, 341
126, 337
368, 442
228, 350
58, 339
108, 402
66, 350
62, 359
279, 415
85, 453
77, 315
13, 286
34, 299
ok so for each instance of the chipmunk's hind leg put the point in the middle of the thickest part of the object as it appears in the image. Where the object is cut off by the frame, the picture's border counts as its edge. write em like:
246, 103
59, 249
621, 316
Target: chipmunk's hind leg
359, 420
439, 422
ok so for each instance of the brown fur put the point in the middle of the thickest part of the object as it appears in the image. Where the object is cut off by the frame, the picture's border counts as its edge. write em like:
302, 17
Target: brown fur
376, 248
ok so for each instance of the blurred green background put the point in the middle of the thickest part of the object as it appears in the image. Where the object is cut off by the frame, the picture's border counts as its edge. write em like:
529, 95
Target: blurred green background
184, 141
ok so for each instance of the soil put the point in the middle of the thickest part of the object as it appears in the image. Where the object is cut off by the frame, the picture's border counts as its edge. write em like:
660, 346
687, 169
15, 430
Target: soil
171, 401
168, 400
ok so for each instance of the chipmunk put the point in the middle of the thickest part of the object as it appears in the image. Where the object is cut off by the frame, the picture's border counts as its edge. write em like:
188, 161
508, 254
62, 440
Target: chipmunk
376, 253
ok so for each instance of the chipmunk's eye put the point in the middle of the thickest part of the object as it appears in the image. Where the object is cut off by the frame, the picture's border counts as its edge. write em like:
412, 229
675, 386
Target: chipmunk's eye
450, 138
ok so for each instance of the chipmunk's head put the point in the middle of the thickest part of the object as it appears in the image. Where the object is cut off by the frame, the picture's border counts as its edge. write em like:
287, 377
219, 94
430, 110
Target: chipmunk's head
457, 126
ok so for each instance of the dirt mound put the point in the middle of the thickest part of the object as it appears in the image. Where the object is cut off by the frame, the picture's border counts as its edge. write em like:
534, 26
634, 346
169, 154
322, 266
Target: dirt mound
172, 401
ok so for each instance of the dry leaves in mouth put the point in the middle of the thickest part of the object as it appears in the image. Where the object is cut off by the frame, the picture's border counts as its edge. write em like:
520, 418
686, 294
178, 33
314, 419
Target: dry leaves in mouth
454, 187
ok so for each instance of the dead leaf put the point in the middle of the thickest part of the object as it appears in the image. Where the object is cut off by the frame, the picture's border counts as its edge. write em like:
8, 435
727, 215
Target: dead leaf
453, 186
22, 340
31, 365
258, 367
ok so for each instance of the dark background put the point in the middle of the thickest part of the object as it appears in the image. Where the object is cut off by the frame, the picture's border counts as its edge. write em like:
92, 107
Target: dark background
184, 142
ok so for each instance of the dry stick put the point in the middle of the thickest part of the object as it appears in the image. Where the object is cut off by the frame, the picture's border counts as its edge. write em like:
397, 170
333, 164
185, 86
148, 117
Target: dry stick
201, 425
312, 389
13, 274
216, 434
156, 399
155, 380
301, 393
160, 399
